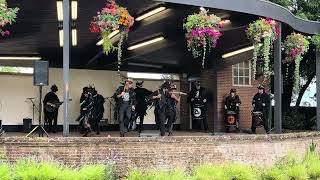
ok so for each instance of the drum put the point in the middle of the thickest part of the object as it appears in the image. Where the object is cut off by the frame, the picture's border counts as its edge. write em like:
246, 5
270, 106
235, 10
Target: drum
198, 111
258, 118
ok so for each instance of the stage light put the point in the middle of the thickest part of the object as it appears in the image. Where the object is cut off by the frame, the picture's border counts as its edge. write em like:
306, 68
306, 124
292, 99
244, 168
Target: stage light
20, 58
151, 13
74, 10
239, 51
60, 10
146, 65
61, 37
111, 35
74, 37
146, 43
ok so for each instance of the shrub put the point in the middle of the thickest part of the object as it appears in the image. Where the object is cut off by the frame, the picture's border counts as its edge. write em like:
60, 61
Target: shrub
208, 172
157, 175
4, 171
297, 172
33, 170
312, 163
274, 173
240, 172
135, 175
95, 172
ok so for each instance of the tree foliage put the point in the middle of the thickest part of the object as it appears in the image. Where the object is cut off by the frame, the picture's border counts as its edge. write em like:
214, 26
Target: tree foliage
309, 10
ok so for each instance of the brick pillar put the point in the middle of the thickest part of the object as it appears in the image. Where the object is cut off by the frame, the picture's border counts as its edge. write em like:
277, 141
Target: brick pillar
208, 80
184, 106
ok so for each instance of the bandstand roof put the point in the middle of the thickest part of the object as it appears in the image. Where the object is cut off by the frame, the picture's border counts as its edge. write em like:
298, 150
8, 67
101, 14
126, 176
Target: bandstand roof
36, 32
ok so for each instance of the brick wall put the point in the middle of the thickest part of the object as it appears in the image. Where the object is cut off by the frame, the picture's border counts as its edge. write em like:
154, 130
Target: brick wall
208, 80
218, 82
246, 93
158, 152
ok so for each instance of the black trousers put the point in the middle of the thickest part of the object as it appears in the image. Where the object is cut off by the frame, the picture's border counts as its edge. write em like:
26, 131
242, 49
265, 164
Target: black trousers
95, 124
196, 124
160, 118
171, 116
141, 117
51, 118
124, 115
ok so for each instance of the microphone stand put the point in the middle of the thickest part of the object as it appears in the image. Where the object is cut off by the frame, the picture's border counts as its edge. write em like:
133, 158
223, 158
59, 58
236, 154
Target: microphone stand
33, 107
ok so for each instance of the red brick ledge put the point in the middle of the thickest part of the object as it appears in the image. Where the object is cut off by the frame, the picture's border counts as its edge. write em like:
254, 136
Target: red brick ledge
56, 141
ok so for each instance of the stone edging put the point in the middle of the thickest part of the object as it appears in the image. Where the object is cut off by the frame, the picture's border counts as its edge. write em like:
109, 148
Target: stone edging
54, 141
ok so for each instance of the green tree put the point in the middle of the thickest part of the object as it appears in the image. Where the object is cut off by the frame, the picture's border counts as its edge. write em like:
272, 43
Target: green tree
310, 10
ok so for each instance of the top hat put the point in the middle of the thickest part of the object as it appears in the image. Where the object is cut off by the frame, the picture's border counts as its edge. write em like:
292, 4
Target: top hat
173, 87
166, 85
233, 90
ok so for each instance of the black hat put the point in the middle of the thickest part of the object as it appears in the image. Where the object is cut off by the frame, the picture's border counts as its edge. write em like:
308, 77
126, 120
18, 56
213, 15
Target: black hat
173, 87
54, 88
165, 85
139, 83
260, 86
233, 90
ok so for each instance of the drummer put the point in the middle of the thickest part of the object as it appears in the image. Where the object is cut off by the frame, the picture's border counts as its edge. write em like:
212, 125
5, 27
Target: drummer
232, 103
260, 103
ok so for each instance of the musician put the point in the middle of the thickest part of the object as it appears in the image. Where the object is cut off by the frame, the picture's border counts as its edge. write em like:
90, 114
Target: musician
125, 96
171, 111
197, 98
87, 111
51, 99
232, 103
141, 102
261, 103
160, 102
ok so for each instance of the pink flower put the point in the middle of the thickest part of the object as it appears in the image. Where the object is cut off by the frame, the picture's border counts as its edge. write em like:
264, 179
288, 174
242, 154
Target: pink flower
7, 33
112, 11
194, 33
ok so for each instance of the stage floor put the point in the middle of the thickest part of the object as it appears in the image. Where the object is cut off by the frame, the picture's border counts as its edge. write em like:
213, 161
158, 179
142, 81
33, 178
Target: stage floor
108, 134
129, 134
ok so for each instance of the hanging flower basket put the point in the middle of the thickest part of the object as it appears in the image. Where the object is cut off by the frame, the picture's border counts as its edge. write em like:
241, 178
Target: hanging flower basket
295, 46
7, 16
112, 18
202, 33
262, 32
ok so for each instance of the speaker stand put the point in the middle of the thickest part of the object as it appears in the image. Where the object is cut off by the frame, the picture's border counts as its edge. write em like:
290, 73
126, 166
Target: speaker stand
40, 127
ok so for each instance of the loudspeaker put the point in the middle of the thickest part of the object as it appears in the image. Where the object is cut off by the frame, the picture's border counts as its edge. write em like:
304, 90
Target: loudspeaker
40, 73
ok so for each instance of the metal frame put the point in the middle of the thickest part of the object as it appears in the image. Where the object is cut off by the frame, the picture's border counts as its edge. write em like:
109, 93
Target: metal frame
278, 84
260, 8
318, 86
66, 61
255, 7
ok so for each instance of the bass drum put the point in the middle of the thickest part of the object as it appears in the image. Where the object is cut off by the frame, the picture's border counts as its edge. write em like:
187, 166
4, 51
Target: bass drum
198, 111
